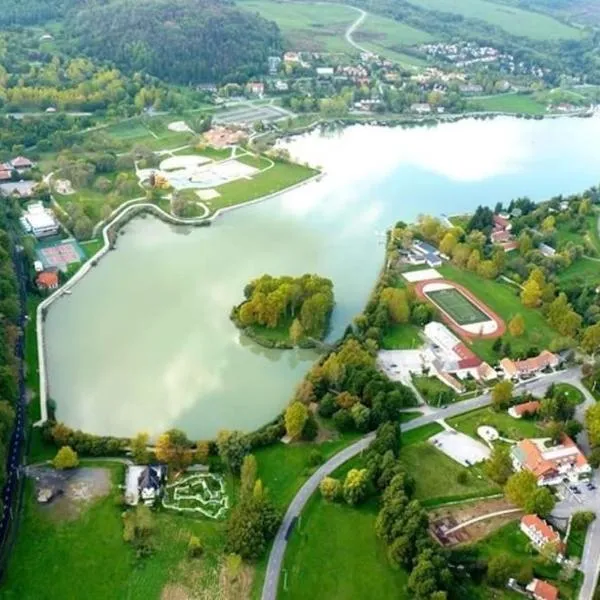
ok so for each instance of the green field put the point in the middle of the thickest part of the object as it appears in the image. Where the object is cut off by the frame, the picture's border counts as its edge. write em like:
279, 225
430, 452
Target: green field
514, 429
457, 306
151, 132
583, 269
504, 300
509, 103
86, 557
401, 337
513, 20
321, 27
589, 236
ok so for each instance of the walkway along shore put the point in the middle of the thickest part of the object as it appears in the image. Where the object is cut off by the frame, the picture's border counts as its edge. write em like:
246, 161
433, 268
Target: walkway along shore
93, 261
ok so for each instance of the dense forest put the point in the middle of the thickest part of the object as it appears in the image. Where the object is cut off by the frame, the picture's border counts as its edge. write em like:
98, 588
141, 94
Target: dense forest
182, 41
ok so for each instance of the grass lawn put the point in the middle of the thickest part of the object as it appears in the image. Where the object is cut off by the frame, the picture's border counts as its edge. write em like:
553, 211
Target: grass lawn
513, 20
504, 300
576, 542
151, 132
573, 394
436, 474
335, 554
583, 269
515, 429
511, 541
87, 558
215, 154
276, 179
399, 337
432, 389
90, 247
590, 235
509, 103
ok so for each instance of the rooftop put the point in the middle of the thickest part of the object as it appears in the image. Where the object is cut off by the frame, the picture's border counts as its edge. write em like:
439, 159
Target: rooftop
534, 522
542, 590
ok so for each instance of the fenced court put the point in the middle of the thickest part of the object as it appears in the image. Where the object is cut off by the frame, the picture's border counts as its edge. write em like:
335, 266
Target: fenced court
60, 254
458, 306
248, 114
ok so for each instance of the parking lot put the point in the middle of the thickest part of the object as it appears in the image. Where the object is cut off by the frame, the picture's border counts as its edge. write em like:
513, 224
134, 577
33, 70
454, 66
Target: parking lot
247, 114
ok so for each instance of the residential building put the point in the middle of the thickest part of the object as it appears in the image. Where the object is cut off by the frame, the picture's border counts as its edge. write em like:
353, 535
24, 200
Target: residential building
451, 381
546, 250
542, 590
47, 280
274, 62
420, 108
257, 88
540, 534
525, 408
529, 366
292, 57
551, 464
500, 236
21, 163
21, 189
325, 71
143, 483
470, 88
426, 252
282, 86
485, 372
39, 221
5, 172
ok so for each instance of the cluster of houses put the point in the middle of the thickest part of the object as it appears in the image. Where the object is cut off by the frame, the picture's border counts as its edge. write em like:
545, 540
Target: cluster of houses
501, 233
10, 182
20, 164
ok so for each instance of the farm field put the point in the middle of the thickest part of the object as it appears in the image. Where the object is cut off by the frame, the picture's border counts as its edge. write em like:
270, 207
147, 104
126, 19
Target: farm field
506, 426
504, 300
512, 20
320, 27
509, 103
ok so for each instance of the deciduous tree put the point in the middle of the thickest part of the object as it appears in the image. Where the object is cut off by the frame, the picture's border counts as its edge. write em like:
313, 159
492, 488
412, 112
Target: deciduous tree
502, 394
356, 486
516, 326
66, 458
295, 417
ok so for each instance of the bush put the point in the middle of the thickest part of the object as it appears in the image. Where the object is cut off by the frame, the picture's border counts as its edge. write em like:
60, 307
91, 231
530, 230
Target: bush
310, 429
343, 420
315, 458
195, 548
582, 519
462, 477
331, 489
327, 406
66, 458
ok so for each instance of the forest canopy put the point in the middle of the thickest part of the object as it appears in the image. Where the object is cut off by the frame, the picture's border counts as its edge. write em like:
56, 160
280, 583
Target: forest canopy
181, 41
298, 306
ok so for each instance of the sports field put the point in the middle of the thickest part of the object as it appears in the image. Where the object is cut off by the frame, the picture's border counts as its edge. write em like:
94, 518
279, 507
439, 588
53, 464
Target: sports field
457, 306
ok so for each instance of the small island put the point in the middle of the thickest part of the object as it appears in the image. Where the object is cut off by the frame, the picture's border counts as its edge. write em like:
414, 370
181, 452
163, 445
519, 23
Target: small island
284, 312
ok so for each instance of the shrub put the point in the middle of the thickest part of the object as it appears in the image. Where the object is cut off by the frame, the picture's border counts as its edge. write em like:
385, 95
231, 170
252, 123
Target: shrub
195, 548
343, 420
310, 429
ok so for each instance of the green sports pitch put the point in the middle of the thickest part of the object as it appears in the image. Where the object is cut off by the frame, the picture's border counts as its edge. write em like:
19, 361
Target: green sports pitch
457, 306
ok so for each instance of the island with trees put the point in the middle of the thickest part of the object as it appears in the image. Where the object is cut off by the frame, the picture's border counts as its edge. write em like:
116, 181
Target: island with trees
284, 312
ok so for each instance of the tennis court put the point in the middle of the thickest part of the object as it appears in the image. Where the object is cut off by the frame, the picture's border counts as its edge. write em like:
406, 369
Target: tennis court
457, 306
60, 254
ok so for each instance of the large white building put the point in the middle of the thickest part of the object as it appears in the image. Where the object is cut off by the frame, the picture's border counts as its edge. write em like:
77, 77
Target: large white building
540, 534
39, 221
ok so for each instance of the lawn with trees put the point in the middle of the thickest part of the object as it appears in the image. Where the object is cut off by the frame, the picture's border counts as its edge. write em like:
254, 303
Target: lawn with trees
507, 426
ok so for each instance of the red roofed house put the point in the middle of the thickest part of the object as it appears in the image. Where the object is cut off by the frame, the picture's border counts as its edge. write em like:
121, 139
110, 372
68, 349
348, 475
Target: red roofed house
256, 87
5, 172
551, 465
501, 223
540, 534
525, 408
542, 590
500, 235
47, 280
529, 366
20, 163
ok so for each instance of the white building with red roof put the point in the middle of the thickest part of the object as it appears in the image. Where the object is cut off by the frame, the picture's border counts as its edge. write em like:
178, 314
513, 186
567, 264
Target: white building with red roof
540, 534
529, 366
551, 464
542, 590
525, 408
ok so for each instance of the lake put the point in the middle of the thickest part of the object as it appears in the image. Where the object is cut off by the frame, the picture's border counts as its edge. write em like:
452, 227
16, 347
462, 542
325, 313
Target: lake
145, 343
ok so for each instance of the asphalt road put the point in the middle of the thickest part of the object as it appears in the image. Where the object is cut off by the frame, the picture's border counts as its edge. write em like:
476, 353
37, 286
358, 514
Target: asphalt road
274, 565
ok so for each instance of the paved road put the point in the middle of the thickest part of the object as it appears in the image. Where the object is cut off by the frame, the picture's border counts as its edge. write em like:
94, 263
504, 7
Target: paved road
271, 583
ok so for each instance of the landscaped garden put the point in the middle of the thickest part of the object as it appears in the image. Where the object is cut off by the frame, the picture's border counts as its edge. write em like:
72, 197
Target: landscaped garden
507, 426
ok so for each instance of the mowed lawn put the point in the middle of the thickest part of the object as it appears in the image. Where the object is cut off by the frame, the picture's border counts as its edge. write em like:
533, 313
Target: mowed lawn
515, 429
513, 20
504, 300
402, 337
509, 103
334, 554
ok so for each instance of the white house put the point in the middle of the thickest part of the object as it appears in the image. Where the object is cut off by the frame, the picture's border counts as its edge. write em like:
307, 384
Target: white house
39, 220
540, 534
143, 483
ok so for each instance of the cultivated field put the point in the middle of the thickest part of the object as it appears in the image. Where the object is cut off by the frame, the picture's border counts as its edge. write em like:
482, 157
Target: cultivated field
513, 20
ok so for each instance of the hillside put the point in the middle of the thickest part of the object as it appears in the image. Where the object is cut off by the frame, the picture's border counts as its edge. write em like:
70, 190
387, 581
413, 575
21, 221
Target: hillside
181, 41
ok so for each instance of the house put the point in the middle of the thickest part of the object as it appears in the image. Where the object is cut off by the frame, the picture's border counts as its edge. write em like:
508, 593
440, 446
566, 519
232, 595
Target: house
530, 366
551, 464
500, 236
38, 266
257, 88
427, 253
564, 205
451, 381
325, 71
39, 221
292, 57
471, 88
282, 86
149, 484
542, 590
21, 189
420, 108
540, 534
485, 373
274, 62
502, 222
21, 163
525, 408
47, 280
547, 250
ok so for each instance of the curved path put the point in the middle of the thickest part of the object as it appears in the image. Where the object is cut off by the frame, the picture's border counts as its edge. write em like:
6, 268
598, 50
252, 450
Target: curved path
271, 583
498, 513
362, 16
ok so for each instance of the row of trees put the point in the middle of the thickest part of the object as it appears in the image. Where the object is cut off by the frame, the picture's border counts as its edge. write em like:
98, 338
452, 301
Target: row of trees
306, 301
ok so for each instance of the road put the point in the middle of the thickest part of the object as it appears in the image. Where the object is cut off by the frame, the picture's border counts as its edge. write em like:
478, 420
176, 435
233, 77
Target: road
362, 16
271, 584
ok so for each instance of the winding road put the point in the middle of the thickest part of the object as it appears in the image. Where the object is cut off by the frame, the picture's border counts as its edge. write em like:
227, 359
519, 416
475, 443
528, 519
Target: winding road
275, 563
362, 16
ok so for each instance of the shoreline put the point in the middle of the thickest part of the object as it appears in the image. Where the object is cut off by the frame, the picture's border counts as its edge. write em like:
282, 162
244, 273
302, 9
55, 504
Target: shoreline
108, 244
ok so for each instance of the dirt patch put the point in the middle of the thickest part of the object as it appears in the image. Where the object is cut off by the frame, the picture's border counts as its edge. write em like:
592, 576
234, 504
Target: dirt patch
70, 491
444, 520
175, 591
238, 587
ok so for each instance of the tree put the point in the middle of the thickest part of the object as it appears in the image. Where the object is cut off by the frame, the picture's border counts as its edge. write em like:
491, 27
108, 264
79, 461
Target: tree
346, 400
499, 466
531, 294
305, 392
516, 326
174, 449
296, 332
66, 458
522, 489
330, 488
502, 394
590, 342
202, 452
355, 486
248, 475
295, 417
233, 447
195, 547
139, 448
501, 568
592, 424
396, 302
473, 262
448, 243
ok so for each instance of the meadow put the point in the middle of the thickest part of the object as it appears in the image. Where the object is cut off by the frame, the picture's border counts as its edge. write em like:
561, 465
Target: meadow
509, 103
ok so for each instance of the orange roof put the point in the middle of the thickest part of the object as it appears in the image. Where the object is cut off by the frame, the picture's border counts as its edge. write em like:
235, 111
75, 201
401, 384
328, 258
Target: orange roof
536, 363
534, 522
527, 407
47, 279
542, 462
509, 366
542, 590
534, 461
